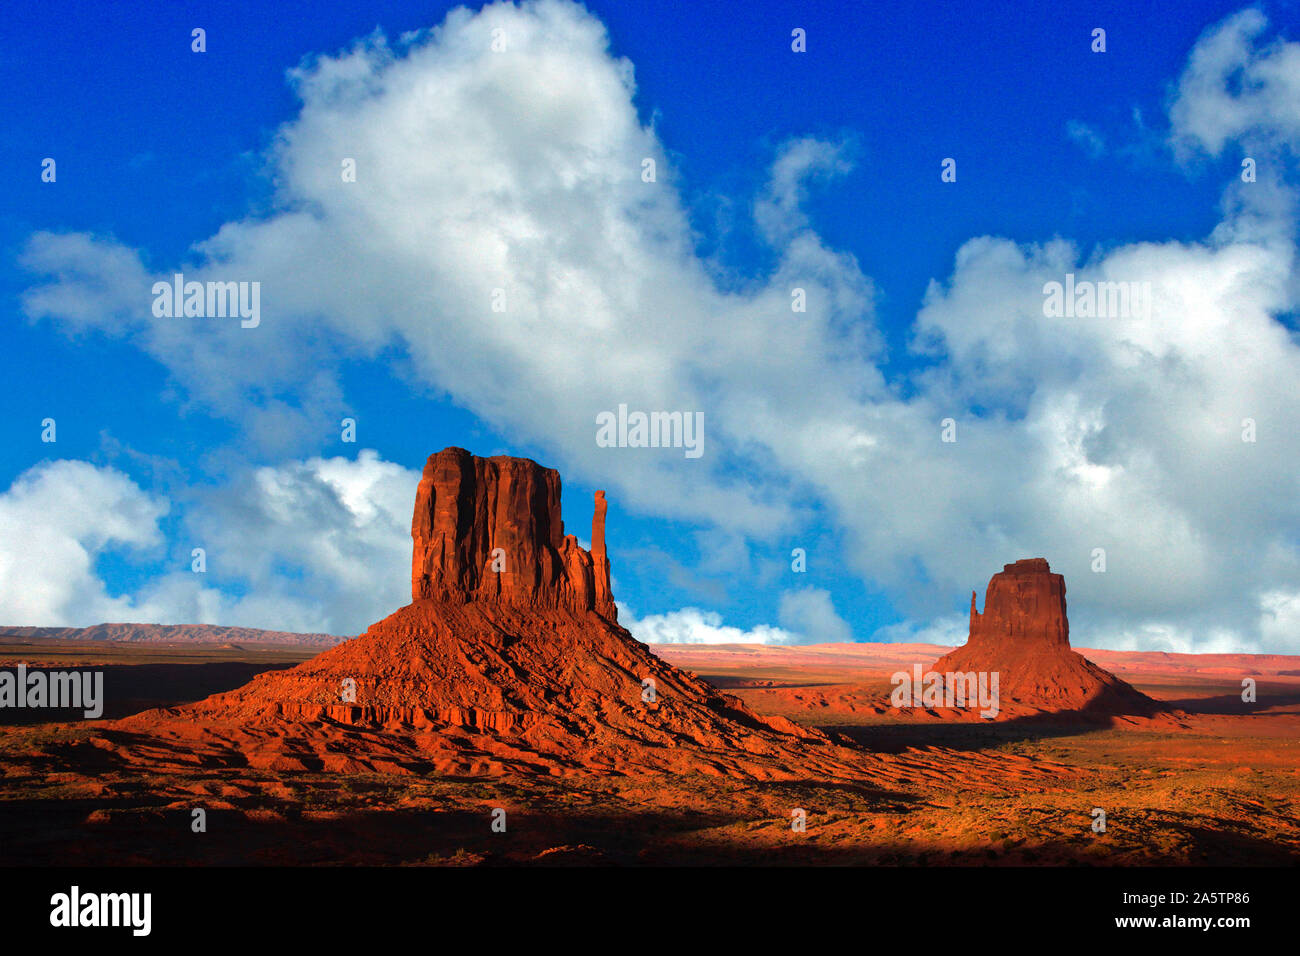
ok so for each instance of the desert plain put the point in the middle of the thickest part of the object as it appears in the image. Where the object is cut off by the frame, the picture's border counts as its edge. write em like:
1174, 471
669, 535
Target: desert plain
1217, 785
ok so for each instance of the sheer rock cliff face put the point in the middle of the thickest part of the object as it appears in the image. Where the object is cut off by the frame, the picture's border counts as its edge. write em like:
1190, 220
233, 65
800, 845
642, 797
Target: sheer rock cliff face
490, 529
1025, 602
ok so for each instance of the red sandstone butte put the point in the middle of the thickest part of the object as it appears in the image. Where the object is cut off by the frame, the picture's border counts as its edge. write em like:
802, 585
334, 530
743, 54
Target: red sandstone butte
1024, 635
490, 528
509, 658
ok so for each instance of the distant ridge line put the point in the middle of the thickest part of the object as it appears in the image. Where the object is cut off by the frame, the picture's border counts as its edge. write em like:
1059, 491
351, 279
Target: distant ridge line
170, 633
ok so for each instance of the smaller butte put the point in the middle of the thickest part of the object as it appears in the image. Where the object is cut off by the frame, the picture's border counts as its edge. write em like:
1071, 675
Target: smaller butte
1024, 636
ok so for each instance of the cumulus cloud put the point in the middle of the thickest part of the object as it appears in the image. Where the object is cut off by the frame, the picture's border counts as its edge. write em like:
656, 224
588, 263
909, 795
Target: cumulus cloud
518, 173
320, 545
810, 613
807, 616
691, 625
56, 520
1237, 88
800, 162
950, 631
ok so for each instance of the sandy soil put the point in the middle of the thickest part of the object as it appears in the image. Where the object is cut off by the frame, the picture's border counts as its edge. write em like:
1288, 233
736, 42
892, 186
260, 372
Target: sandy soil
1215, 782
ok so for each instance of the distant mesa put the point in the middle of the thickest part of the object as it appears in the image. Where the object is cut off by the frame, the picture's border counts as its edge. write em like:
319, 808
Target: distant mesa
168, 634
508, 658
1024, 635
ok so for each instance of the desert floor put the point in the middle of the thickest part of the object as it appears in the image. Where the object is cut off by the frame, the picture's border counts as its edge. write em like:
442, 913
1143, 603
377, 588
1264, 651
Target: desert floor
1217, 784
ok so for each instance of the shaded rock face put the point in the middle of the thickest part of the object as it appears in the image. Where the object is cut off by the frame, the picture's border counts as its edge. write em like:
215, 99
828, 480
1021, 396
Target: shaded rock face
1024, 636
1025, 602
490, 529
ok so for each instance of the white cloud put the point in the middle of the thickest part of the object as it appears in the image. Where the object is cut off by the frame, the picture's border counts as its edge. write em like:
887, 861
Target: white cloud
1171, 639
779, 212
1086, 136
478, 171
691, 625
810, 613
807, 616
1235, 88
321, 545
950, 631
55, 521
1279, 622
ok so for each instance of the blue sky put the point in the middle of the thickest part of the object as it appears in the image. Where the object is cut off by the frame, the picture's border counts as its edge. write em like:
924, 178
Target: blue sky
776, 169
